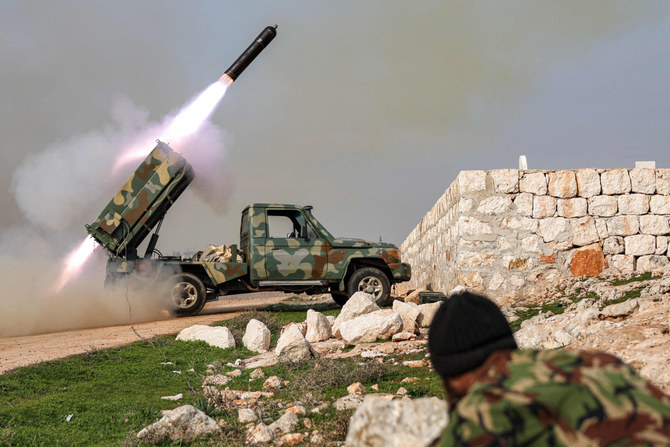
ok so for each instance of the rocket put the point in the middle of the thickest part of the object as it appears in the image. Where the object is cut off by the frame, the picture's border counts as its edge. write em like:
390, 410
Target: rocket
242, 62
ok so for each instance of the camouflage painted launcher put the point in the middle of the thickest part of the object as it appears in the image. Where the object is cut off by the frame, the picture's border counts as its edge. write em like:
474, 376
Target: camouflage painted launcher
142, 202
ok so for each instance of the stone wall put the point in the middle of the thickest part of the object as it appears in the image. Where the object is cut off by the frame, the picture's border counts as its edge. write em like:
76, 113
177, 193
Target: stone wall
514, 232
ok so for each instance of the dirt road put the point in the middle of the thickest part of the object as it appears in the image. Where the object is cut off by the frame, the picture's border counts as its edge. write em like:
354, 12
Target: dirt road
26, 350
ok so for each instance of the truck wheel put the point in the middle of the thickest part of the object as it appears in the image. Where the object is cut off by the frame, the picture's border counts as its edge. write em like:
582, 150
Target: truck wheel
187, 294
340, 298
370, 280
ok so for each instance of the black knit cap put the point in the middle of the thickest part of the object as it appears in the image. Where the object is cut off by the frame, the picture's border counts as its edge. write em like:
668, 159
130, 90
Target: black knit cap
466, 329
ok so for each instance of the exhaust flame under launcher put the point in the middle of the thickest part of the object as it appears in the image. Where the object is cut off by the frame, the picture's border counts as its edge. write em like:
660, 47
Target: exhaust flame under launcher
142, 202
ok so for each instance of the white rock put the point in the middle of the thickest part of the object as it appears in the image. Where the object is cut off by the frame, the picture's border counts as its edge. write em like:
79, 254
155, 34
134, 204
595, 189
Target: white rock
659, 205
179, 396
245, 415
663, 181
661, 245
524, 204
615, 181
331, 319
623, 263
651, 263
360, 303
584, 231
402, 336
623, 225
217, 379
397, 423
643, 180
543, 206
562, 184
601, 226
555, 229
494, 205
602, 206
348, 402
470, 225
471, 181
535, 244
219, 336
409, 312
588, 182
292, 346
613, 245
633, 204
505, 181
257, 336
652, 224
285, 424
185, 423
520, 223
318, 327
301, 325
571, 207
640, 244
370, 327
273, 383
465, 205
620, 310
427, 313
260, 434
534, 183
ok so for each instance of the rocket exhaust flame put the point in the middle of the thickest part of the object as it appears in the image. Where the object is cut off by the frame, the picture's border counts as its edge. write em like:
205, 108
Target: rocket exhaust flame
74, 262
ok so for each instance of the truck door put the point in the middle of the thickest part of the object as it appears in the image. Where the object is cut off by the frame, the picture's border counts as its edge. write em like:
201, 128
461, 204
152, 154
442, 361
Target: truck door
294, 251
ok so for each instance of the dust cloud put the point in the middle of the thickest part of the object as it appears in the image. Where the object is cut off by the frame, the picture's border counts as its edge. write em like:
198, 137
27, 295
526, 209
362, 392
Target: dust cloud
68, 184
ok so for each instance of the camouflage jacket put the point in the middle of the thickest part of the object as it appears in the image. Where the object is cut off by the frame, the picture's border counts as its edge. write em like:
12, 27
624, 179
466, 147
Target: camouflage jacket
559, 397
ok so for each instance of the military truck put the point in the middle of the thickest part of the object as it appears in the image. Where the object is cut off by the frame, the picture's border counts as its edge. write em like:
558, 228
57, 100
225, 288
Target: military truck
282, 247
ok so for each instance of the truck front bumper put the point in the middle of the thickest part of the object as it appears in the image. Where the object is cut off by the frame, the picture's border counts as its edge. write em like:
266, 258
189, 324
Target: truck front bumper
401, 271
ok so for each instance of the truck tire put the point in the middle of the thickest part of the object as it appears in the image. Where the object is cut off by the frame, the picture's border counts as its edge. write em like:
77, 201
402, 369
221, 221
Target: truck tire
370, 280
339, 298
187, 294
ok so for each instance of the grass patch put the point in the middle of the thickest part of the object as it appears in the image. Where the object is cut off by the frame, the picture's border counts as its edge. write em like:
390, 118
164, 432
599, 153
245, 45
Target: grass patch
633, 293
112, 394
635, 278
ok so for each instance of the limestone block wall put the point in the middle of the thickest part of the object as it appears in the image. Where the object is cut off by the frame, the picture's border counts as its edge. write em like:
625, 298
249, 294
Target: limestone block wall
511, 233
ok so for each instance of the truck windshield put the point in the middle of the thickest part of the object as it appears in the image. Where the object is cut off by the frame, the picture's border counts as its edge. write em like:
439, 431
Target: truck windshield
289, 224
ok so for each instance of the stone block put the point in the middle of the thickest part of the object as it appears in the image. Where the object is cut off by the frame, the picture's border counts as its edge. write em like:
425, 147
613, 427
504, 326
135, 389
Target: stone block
613, 245
659, 205
615, 181
584, 231
633, 204
571, 207
640, 244
604, 206
468, 259
653, 224
505, 181
623, 263
663, 181
534, 183
543, 206
471, 181
588, 182
661, 245
587, 261
623, 225
554, 229
494, 205
651, 263
562, 184
472, 280
470, 225
465, 205
496, 282
643, 180
524, 204
519, 223
535, 244
601, 226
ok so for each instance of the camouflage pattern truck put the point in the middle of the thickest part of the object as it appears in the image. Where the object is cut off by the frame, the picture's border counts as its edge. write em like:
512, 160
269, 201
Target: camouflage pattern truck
282, 247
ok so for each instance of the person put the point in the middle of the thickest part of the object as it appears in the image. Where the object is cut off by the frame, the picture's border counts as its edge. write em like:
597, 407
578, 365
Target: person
498, 394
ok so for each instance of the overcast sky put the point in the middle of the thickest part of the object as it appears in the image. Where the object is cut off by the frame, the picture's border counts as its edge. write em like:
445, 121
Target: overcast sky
365, 109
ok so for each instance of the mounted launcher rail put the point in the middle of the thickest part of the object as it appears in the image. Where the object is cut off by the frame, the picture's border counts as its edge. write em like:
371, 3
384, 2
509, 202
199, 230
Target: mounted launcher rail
141, 203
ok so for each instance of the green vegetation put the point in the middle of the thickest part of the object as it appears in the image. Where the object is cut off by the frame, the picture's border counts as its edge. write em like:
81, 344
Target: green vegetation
112, 394
635, 278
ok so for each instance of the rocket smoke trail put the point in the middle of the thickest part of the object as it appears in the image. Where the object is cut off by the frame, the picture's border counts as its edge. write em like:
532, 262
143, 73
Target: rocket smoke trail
187, 122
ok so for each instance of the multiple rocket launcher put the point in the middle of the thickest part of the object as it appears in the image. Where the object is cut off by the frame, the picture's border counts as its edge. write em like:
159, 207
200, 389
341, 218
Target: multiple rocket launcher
145, 198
